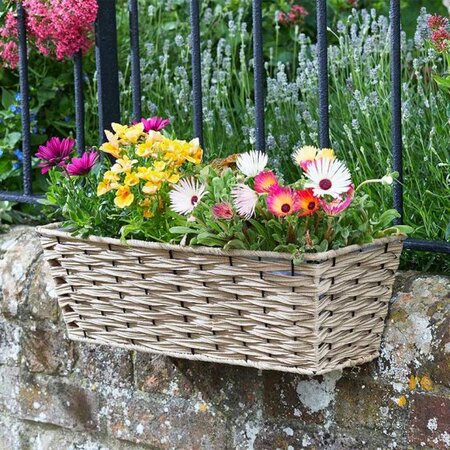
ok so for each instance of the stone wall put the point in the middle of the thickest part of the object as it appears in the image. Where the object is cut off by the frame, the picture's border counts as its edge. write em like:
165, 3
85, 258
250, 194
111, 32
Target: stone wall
58, 395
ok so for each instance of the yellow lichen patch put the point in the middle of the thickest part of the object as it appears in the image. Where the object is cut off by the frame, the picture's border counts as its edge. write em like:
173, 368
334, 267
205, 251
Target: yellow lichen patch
402, 402
202, 407
412, 384
426, 383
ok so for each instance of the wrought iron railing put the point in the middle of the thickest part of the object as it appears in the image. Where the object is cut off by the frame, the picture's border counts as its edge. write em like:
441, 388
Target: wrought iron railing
108, 89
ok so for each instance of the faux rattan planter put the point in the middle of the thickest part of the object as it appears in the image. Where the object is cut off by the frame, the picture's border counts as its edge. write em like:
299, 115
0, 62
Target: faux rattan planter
252, 309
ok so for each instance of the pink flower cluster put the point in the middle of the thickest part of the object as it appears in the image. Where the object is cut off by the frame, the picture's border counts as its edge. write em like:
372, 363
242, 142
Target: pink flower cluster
8, 41
440, 33
57, 153
296, 15
58, 28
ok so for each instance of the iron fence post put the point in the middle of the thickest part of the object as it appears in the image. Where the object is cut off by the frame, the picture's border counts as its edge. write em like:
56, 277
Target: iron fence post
107, 66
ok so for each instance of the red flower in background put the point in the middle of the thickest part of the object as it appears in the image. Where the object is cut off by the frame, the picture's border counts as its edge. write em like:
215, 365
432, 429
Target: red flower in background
435, 22
59, 28
296, 15
9, 52
441, 40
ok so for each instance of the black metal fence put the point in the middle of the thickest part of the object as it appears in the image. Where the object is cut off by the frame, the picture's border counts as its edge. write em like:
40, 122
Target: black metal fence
108, 89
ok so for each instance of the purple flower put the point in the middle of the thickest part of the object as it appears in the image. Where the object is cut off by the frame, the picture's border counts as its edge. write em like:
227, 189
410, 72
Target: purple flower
55, 152
155, 124
83, 165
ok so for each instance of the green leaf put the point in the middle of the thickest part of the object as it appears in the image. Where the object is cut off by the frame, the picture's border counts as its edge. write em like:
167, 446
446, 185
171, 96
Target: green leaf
442, 81
387, 217
183, 230
12, 138
234, 244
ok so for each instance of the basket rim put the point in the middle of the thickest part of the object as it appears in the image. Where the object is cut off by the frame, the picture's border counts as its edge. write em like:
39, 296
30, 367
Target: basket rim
55, 230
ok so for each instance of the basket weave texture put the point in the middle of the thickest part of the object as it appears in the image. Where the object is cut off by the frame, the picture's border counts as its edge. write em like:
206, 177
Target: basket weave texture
253, 309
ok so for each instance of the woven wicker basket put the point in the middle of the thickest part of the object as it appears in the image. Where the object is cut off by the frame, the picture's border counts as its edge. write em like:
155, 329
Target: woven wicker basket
247, 308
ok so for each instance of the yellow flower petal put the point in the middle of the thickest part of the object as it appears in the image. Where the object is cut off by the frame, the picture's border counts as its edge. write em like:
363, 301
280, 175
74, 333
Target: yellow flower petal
118, 128
150, 188
174, 178
154, 136
102, 188
144, 150
402, 402
111, 148
124, 197
131, 179
133, 133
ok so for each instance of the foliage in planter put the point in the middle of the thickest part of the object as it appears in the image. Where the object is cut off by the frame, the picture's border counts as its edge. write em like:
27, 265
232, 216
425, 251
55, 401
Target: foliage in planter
156, 190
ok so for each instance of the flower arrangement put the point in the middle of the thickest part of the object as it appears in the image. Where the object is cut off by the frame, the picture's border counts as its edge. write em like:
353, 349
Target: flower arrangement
155, 188
58, 28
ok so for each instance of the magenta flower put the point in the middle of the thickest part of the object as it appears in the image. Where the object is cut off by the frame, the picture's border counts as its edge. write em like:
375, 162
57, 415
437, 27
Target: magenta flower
83, 165
55, 152
155, 123
223, 211
338, 205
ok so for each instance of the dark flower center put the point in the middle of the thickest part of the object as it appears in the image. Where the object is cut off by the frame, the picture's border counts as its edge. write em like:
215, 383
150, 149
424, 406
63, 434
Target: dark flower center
311, 205
194, 199
286, 208
325, 184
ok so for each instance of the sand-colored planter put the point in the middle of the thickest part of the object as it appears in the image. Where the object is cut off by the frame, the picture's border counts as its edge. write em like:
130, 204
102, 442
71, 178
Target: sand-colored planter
254, 309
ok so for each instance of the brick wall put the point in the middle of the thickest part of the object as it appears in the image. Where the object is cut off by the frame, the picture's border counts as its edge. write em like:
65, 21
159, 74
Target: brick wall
58, 395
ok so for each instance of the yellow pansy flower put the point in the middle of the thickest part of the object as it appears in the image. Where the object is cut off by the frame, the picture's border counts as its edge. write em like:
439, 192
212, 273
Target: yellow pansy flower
110, 176
118, 129
124, 197
151, 188
123, 164
103, 187
131, 179
112, 146
155, 136
159, 165
133, 133
174, 178
145, 150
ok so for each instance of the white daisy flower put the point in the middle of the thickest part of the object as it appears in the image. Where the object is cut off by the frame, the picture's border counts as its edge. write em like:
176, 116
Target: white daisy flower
185, 195
244, 199
328, 177
251, 163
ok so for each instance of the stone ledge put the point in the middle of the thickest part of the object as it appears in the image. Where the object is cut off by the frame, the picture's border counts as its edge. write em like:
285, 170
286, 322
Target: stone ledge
57, 394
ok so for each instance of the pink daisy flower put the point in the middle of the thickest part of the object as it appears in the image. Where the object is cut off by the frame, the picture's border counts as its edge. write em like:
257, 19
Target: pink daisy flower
55, 152
83, 165
154, 123
338, 205
265, 181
